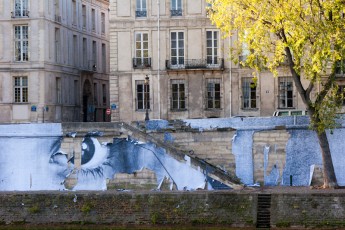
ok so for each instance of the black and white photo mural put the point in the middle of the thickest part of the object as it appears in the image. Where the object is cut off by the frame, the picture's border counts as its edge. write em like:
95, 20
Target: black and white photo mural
31, 159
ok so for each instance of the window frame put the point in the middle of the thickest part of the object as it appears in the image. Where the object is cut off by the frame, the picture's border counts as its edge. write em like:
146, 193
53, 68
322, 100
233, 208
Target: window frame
20, 9
212, 57
178, 96
21, 43
22, 88
176, 7
141, 47
140, 104
285, 93
249, 94
177, 60
213, 93
141, 8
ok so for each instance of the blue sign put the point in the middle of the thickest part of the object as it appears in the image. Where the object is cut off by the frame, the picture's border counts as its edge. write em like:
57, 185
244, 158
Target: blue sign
113, 106
33, 108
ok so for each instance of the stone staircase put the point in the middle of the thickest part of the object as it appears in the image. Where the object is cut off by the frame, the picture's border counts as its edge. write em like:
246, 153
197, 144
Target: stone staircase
263, 220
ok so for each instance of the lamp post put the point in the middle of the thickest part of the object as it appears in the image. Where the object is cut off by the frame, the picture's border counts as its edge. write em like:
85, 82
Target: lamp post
147, 98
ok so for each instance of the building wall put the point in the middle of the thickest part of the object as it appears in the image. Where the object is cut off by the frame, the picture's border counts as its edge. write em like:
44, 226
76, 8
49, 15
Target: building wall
124, 23
54, 69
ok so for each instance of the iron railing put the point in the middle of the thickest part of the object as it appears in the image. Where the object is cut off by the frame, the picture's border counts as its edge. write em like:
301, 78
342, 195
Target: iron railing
19, 13
141, 63
140, 13
195, 64
177, 12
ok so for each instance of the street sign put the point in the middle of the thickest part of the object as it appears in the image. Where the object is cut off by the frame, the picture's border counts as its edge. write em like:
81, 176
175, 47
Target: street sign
108, 111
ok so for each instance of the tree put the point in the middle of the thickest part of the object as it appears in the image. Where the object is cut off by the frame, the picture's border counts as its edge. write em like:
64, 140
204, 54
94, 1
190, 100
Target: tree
308, 36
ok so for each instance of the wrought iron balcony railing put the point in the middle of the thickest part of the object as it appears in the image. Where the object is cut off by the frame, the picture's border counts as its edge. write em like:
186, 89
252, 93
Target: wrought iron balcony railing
176, 12
19, 13
141, 63
195, 64
140, 13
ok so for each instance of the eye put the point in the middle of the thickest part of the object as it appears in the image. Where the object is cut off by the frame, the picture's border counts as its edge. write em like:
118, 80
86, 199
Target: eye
93, 154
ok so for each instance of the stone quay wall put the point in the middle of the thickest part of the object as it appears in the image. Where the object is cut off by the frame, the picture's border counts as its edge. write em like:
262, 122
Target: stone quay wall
300, 210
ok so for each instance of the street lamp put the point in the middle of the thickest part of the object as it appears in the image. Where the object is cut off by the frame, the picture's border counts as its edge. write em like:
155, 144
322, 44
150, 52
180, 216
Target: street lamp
147, 98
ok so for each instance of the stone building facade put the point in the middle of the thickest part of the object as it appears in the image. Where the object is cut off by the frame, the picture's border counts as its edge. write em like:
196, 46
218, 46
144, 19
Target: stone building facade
54, 60
194, 77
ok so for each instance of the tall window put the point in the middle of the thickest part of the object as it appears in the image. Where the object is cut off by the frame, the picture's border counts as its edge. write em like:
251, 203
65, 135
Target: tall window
177, 48
58, 91
141, 49
248, 93
212, 47
20, 89
141, 10
103, 23
75, 50
95, 93
83, 11
176, 8
21, 40
93, 19
57, 45
340, 67
341, 91
94, 55
143, 95
76, 92
178, 97
57, 10
104, 58
285, 92
74, 12
85, 53
21, 8
213, 93
104, 93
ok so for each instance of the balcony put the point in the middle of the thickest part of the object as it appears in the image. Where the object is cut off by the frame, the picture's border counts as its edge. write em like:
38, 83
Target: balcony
176, 12
218, 64
141, 63
20, 13
141, 13
58, 18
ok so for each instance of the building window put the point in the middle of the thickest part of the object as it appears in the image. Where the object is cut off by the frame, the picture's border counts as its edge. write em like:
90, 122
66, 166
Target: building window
58, 91
176, 8
75, 50
178, 95
104, 93
83, 11
285, 92
21, 8
74, 12
212, 47
142, 94
248, 93
93, 19
57, 10
20, 89
141, 10
104, 58
103, 23
57, 44
95, 93
85, 53
21, 39
76, 92
213, 93
340, 67
94, 56
177, 48
141, 50
341, 90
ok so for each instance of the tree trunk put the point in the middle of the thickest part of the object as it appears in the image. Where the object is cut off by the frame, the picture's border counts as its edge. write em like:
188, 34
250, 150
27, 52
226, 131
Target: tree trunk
329, 179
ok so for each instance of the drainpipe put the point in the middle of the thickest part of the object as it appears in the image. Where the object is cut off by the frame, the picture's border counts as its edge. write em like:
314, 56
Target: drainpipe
230, 77
158, 68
